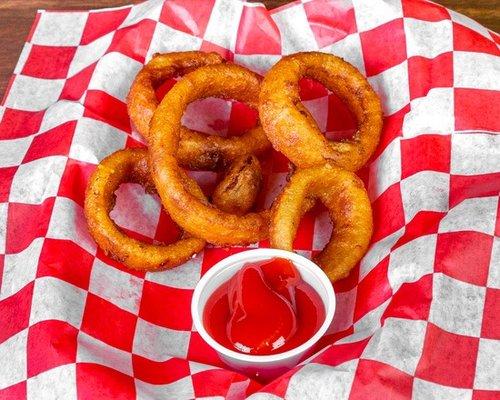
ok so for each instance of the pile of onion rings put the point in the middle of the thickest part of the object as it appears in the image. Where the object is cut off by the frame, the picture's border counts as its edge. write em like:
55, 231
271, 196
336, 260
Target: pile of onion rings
323, 165
324, 169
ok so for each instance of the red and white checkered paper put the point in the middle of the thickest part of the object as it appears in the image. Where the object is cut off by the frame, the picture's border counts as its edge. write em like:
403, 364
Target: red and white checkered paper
418, 318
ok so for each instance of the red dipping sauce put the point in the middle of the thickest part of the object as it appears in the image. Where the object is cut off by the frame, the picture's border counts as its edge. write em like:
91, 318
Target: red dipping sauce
266, 308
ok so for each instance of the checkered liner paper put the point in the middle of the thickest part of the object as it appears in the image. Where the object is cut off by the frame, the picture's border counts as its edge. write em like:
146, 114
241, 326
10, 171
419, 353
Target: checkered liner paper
417, 318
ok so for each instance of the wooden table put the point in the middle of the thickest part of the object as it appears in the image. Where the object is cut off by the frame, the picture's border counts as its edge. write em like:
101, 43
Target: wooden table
16, 17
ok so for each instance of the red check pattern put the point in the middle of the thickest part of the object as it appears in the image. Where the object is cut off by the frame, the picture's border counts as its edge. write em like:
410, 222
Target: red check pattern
416, 319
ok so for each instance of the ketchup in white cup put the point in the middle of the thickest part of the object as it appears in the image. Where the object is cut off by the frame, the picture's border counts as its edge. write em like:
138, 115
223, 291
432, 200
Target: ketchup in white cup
243, 351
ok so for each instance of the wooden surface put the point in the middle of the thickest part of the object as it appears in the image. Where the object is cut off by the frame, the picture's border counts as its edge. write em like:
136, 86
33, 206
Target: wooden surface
16, 17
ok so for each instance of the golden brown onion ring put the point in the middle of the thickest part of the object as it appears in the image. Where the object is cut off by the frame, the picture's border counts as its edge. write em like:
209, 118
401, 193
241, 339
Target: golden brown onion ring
198, 217
237, 191
142, 101
196, 150
291, 128
343, 193
131, 166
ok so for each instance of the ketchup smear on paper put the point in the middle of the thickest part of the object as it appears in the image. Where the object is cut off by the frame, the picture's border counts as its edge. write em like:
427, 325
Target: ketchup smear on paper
266, 308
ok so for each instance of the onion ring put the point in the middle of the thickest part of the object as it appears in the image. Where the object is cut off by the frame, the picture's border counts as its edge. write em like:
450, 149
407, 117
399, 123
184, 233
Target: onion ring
291, 128
343, 193
142, 101
196, 150
131, 165
200, 218
237, 191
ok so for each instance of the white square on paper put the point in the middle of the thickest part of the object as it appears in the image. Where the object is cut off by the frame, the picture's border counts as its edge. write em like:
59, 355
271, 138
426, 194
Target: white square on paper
476, 214
180, 389
424, 390
385, 170
54, 384
295, 31
13, 151
476, 70
367, 325
61, 112
34, 94
13, 354
475, 153
92, 350
319, 111
185, 276
59, 28
143, 216
412, 261
494, 272
428, 39
166, 39
377, 252
25, 52
59, 300
392, 87
344, 306
223, 24
195, 367
88, 54
398, 343
146, 10
324, 381
93, 140
457, 306
349, 48
114, 74
488, 365
259, 395
322, 230
203, 115
425, 191
3, 228
20, 268
369, 16
120, 288
159, 343
433, 113
68, 222
37, 180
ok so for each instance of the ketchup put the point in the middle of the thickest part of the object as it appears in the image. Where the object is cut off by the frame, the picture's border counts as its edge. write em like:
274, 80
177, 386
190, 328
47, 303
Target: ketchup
266, 308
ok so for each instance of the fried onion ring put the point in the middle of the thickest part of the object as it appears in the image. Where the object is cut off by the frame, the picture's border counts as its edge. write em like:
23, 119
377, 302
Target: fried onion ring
198, 217
196, 150
237, 191
343, 193
291, 128
131, 165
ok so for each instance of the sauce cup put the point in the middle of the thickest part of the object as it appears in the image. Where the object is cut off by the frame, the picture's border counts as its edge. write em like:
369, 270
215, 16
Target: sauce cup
262, 367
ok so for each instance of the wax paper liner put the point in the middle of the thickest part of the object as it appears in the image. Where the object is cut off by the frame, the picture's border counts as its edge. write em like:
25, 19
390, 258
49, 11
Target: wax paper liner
416, 319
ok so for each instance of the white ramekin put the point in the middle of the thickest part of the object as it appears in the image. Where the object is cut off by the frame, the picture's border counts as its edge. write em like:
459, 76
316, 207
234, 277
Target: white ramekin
268, 366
